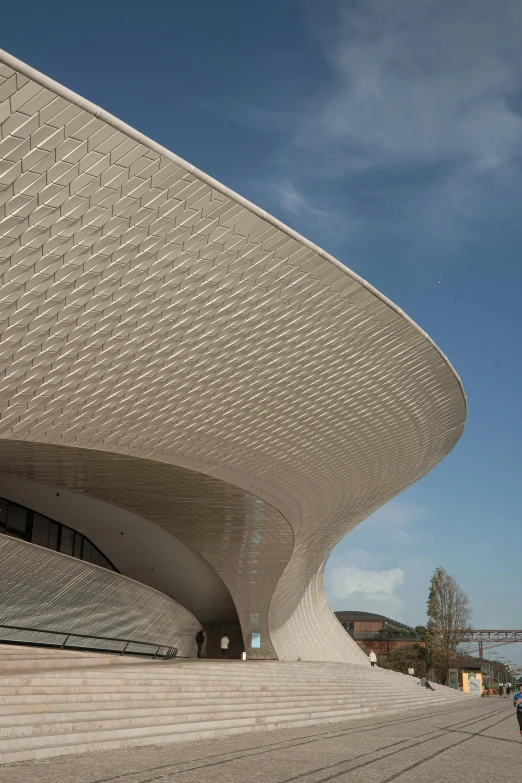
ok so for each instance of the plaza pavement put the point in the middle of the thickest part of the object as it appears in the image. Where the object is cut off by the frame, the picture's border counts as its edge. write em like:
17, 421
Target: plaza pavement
467, 741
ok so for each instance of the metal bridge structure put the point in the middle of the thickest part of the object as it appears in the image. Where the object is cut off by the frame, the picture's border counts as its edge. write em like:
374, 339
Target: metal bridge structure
490, 638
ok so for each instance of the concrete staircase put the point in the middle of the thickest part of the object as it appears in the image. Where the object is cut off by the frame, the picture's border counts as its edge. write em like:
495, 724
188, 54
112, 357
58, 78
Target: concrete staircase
16, 658
56, 702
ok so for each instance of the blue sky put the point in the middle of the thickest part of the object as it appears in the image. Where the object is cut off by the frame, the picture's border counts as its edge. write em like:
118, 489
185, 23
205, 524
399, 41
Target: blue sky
390, 133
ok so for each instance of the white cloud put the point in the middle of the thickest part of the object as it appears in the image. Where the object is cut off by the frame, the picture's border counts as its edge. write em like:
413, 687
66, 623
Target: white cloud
421, 79
307, 216
419, 124
297, 204
344, 581
391, 522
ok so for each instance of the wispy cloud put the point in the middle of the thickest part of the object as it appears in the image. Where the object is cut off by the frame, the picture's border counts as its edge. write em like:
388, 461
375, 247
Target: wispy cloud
425, 100
345, 581
421, 80
372, 567
393, 522
308, 217
295, 203
419, 124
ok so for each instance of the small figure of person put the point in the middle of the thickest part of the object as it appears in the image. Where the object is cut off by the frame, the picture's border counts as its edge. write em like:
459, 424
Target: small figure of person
426, 683
500, 690
508, 689
200, 641
373, 658
517, 703
225, 641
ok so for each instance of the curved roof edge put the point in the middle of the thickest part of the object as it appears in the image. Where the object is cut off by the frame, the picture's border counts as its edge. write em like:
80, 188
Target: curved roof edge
97, 111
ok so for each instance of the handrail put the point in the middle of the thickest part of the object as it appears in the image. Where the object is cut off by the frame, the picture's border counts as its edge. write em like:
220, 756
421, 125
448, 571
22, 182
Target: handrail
159, 650
389, 636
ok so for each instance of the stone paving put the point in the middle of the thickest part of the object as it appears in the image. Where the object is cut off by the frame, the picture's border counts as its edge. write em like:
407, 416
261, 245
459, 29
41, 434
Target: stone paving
468, 742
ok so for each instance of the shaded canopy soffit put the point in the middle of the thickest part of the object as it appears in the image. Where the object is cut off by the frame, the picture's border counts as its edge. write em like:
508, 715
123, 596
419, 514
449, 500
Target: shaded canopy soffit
148, 311
141, 549
235, 532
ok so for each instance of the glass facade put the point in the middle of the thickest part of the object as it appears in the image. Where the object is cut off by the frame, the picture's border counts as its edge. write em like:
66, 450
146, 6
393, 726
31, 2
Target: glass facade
21, 522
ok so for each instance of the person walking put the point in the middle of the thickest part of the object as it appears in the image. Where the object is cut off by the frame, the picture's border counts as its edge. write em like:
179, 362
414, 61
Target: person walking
500, 690
517, 703
200, 641
373, 658
225, 641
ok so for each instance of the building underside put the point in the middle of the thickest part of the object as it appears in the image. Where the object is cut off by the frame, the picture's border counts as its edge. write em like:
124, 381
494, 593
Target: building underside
206, 398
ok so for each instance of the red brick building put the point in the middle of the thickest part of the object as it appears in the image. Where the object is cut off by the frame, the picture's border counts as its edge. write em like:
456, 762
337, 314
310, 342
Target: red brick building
377, 632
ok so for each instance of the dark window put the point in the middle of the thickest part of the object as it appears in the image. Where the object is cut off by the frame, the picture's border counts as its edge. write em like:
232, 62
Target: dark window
53, 535
21, 522
87, 549
40, 530
16, 520
66, 540
78, 538
3, 514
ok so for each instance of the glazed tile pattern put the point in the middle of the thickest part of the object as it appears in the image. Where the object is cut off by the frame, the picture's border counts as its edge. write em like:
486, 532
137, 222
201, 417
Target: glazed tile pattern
49, 591
150, 313
230, 528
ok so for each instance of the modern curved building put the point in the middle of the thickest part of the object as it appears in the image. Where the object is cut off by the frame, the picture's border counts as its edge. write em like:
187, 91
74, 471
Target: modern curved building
196, 403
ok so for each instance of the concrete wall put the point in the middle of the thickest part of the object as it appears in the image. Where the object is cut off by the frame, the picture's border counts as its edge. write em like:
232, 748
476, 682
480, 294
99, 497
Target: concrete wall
50, 591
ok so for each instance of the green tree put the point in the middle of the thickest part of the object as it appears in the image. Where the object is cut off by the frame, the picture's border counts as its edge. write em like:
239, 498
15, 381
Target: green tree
408, 656
449, 617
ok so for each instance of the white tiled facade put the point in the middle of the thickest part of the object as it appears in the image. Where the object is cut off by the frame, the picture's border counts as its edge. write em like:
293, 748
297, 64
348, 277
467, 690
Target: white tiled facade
50, 591
158, 330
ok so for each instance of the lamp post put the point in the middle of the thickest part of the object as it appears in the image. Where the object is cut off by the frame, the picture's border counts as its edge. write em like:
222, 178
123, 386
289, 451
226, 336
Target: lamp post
498, 662
496, 656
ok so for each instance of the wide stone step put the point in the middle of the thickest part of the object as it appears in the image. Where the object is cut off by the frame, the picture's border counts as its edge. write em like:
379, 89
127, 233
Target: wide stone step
49, 735
54, 701
103, 710
203, 688
68, 703
117, 675
112, 675
101, 722
245, 669
95, 687
36, 701
17, 750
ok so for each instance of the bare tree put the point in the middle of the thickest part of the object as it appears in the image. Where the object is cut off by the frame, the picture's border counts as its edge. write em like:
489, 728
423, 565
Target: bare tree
449, 613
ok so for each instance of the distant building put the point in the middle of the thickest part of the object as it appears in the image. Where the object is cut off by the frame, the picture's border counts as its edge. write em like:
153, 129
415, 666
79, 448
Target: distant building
376, 632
